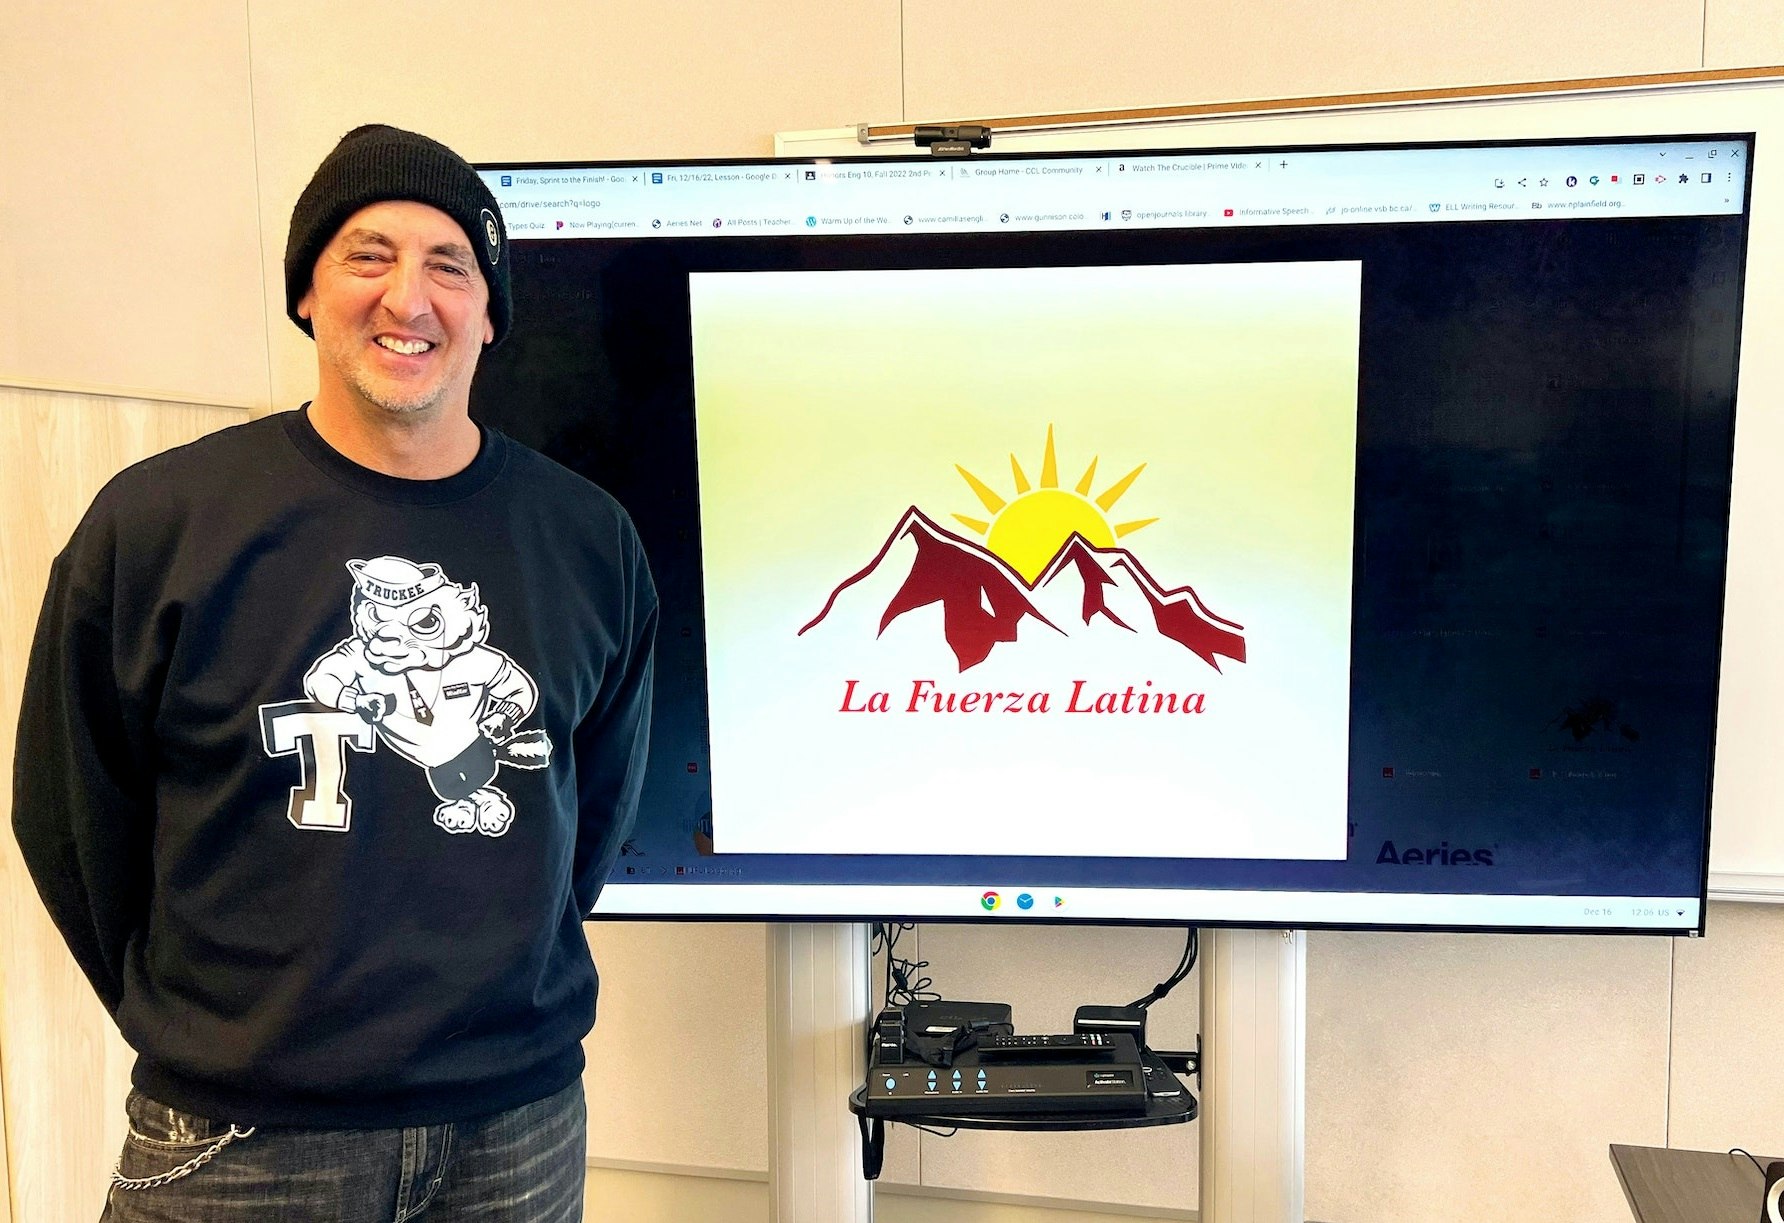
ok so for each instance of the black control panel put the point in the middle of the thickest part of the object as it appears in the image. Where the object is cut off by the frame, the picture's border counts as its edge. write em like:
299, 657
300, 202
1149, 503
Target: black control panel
1098, 1072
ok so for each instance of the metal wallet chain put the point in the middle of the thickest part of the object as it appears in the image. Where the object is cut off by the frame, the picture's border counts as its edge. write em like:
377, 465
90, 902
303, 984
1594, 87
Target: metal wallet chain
186, 1169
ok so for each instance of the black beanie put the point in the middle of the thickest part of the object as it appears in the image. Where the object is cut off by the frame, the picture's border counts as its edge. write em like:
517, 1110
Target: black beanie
376, 163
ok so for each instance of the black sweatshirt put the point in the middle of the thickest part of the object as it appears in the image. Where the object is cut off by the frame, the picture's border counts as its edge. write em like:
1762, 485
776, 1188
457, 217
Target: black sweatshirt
319, 771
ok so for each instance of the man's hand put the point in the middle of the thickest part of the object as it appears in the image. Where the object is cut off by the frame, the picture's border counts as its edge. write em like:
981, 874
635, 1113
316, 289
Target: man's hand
498, 724
371, 705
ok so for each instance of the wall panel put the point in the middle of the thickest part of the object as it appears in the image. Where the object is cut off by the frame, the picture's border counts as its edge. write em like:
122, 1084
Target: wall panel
1728, 1080
1021, 57
1743, 33
1462, 1077
64, 1064
678, 1060
131, 260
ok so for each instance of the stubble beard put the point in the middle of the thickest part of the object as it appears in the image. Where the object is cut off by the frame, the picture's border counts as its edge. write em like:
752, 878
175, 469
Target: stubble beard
392, 399
403, 404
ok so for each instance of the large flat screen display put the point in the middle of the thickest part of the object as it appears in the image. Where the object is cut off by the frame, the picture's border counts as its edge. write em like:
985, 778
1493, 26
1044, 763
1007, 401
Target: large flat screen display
1290, 536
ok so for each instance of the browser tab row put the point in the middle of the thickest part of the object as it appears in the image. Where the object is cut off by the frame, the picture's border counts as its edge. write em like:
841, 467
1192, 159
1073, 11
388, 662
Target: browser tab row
1177, 190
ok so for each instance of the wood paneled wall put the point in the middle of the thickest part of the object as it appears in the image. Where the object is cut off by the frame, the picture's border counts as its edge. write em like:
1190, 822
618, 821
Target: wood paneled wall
65, 1067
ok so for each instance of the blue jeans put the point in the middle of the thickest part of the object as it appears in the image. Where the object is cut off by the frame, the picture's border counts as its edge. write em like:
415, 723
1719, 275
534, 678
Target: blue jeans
526, 1165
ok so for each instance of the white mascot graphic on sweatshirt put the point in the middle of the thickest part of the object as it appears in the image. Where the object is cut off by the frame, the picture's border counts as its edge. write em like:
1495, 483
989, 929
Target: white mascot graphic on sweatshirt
418, 671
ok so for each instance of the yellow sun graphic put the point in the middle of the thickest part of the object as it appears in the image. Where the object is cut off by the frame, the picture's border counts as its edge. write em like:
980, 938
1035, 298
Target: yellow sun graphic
1029, 528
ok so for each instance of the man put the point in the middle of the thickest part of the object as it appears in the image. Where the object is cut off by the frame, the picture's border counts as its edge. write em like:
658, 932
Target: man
333, 727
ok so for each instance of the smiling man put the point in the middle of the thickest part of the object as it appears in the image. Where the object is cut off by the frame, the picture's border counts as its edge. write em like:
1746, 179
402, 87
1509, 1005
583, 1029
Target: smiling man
333, 727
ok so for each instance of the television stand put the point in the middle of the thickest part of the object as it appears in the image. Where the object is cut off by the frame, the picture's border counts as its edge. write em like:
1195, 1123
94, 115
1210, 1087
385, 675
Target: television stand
1251, 1111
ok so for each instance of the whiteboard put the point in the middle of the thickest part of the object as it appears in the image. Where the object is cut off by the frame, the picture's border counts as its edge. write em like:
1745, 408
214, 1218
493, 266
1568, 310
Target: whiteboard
1747, 811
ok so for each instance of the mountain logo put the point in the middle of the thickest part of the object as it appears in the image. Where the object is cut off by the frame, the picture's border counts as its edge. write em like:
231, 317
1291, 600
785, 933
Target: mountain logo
1042, 545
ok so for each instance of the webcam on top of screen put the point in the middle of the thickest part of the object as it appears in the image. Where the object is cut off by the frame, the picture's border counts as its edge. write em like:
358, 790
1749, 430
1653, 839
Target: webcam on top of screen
952, 139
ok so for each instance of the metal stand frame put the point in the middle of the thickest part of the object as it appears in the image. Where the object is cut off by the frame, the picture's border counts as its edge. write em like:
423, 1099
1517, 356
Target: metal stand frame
1253, 1081
1254, 1075
818, 997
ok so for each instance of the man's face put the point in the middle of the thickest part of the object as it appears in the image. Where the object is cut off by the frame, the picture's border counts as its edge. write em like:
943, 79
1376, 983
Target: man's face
400, 310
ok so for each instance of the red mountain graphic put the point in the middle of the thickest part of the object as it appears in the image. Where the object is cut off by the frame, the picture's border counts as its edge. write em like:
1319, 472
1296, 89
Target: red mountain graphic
984, 600
1178, 614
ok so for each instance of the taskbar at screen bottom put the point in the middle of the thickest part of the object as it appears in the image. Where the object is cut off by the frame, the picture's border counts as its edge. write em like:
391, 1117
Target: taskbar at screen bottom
1400, 910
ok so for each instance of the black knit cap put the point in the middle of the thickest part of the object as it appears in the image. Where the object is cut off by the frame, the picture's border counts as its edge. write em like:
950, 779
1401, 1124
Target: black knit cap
375, 163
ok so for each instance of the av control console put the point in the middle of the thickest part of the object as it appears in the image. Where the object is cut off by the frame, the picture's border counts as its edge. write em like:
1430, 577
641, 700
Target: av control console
1098, 1072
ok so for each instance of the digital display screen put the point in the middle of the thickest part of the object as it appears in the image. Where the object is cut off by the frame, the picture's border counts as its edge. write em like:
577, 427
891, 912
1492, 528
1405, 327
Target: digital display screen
1305, 537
